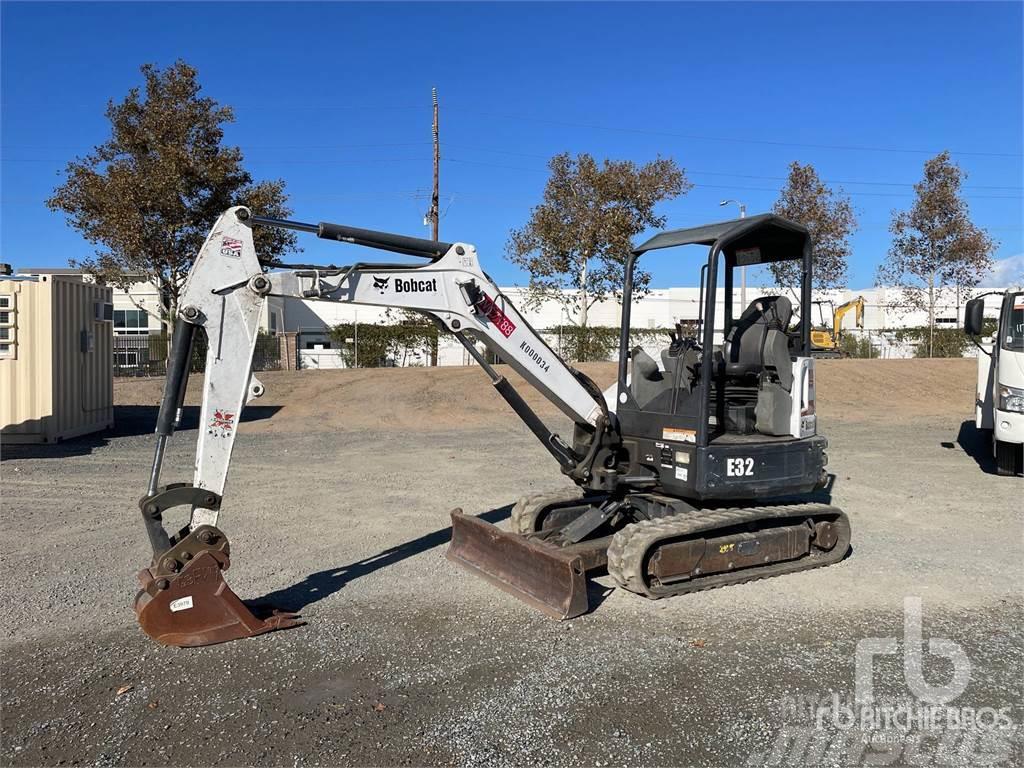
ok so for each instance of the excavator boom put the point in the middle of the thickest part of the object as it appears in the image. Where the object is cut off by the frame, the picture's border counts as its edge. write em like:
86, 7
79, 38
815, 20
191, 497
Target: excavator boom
184, 599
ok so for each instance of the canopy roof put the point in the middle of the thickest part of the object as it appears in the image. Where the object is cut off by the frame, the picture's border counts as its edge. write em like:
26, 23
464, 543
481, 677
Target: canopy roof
778, 238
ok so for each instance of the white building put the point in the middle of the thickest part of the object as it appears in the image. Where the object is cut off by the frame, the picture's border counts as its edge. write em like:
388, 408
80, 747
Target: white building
661, 308
136, 313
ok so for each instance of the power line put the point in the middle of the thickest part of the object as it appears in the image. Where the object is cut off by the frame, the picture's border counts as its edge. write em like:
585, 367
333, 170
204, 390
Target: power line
746, 175
260, 147
848, 181
731, 186
766, 142
268, 161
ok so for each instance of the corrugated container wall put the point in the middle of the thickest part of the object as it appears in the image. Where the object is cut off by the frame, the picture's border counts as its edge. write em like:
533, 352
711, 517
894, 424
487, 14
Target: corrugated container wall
56, 359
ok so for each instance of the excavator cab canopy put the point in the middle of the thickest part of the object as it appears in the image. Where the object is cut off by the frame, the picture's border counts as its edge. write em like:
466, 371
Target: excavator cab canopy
776, 238
736, 243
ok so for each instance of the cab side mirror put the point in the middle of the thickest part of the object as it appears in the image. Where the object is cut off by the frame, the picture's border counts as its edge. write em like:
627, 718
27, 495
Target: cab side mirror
974, 317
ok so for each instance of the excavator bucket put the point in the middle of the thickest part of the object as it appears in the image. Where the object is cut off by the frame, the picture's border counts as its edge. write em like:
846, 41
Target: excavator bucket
543, 576
195, 606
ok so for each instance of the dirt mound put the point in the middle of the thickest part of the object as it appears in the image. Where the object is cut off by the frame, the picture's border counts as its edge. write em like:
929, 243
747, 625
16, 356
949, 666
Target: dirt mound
462, 398
897, 390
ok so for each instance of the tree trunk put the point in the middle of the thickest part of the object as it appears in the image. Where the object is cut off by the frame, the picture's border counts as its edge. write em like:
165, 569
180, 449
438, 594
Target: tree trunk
583, 294
931, 314
584, 306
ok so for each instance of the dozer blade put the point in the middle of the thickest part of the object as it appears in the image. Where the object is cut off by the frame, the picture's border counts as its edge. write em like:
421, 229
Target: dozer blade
196, 606
549, 579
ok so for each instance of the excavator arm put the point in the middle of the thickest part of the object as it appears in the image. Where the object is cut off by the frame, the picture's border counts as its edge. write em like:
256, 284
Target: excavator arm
184, 599
841, 312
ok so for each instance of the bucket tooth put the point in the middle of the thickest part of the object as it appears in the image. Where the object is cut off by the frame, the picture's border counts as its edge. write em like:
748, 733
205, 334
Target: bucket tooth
195, 606
551, 580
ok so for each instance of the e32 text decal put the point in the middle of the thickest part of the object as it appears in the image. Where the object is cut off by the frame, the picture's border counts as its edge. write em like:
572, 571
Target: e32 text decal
741, 467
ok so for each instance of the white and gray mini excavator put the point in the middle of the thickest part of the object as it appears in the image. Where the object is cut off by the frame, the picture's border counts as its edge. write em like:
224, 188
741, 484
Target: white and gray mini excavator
697, 470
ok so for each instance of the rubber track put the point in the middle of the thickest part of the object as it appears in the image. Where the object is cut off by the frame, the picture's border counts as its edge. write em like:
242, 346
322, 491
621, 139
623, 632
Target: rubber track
525, 511
627, 554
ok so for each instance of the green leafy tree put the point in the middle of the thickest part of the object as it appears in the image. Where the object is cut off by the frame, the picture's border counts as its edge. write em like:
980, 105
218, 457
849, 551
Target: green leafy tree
399, 339
148, 195
855, 346
830, 219
936, 250
577, 240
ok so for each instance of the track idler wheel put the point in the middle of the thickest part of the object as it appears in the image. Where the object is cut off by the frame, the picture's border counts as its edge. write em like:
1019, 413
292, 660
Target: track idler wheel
184, 600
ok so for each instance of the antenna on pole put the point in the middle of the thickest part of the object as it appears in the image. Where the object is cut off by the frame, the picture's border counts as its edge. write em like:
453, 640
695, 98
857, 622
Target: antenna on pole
435, 214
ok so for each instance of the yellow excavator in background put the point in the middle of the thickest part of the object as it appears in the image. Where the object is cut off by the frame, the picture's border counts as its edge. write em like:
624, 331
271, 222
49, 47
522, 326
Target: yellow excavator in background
825, 341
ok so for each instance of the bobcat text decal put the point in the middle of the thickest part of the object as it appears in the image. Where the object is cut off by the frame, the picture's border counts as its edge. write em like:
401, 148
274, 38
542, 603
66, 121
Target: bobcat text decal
406, 284
415, 286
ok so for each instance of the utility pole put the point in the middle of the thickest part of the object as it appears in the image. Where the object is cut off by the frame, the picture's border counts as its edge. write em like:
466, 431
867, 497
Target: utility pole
743, 270
435, 197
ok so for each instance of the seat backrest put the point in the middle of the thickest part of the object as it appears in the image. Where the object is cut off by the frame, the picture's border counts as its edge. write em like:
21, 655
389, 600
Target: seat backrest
746, 341
776, 357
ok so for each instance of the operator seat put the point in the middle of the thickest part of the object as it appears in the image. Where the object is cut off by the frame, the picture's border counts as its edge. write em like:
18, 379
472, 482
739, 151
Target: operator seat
758, 345
758, 340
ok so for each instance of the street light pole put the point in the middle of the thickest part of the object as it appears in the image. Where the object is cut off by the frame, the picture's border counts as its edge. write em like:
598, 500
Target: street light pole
743, 269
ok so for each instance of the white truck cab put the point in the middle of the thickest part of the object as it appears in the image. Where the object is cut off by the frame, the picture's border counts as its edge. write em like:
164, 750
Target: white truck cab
999, 408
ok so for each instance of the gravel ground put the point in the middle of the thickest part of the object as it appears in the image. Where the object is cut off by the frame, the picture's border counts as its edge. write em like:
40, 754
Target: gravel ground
408, 660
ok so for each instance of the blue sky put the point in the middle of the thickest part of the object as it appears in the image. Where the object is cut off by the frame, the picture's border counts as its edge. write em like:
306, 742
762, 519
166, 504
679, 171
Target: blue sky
335, 99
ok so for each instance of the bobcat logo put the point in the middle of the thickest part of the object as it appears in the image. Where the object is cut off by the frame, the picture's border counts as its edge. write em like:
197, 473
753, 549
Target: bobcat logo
381, 283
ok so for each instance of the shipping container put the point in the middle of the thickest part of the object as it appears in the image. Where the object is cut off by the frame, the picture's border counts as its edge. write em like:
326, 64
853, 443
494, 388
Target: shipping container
56, 358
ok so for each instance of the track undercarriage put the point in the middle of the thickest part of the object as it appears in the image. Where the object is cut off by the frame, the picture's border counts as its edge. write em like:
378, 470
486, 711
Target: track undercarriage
655, 546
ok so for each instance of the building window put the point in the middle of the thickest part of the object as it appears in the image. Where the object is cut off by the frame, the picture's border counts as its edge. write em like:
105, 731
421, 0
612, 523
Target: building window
5, 334
131, 322
126, 358
273, 322
5, 317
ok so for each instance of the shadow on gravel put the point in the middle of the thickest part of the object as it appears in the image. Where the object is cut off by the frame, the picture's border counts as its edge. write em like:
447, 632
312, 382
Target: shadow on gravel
321, 584
976, 444
129, 421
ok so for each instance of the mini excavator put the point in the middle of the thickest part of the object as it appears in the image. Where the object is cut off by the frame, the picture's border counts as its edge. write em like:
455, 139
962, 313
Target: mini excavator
693, 471
825, 341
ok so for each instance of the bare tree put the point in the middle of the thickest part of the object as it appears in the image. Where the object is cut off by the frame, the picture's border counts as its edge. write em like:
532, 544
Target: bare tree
936, 249
577, 240
148, 195
830, 219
